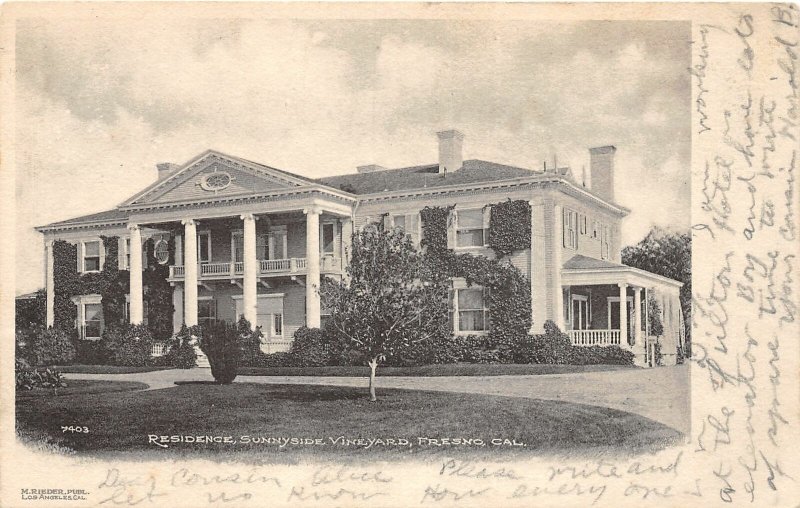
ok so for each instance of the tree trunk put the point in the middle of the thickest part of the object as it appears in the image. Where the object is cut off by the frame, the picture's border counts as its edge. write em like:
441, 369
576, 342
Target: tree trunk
373, 365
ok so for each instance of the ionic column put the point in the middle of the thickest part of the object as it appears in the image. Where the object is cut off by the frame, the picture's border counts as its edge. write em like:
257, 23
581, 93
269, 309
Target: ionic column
137, 304
250, 289
50, 283
190, 272
312, 267
623, 314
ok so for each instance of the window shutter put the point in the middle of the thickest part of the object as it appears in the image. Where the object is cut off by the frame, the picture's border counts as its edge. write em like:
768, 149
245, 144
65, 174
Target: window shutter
387, 222
564, 226
452, 226
412, 227
487, 216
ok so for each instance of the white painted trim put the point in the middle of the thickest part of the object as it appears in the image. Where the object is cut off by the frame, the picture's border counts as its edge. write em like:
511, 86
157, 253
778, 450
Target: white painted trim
260, 295
207, 233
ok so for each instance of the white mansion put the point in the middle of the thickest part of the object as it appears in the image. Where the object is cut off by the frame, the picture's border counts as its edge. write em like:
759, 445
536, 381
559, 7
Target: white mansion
253, 240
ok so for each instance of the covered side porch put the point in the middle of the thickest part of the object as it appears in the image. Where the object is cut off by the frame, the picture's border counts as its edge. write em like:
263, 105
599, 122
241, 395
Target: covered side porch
609, 304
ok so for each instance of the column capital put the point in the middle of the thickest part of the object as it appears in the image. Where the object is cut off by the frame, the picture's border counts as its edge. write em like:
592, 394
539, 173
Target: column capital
637, 288
188, 222
312, 210
247, 216
622, 285
134, 227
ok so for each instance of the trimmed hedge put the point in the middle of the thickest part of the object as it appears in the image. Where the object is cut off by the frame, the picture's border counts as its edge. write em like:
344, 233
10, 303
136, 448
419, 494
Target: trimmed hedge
220, 342
311, 347
181, 354
553, 346
597, 355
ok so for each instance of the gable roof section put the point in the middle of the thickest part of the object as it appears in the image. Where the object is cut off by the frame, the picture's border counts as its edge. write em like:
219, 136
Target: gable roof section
247, 177
420, 177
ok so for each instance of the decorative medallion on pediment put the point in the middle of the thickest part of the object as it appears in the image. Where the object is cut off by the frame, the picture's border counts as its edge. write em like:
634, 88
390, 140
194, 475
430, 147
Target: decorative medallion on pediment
215, 181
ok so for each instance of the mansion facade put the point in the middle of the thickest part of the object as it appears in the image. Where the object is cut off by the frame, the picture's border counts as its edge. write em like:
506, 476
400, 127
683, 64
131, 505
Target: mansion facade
243, 239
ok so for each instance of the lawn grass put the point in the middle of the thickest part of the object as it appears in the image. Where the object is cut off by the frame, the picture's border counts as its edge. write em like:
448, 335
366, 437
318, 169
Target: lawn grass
81, 387
123, 421
452, 369
104, 369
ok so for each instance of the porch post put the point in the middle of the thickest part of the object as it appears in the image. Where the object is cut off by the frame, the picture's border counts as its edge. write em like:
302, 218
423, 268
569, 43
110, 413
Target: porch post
250, 290
637, 316
50, 284
312, 267
190, 272
623, 314
137, 305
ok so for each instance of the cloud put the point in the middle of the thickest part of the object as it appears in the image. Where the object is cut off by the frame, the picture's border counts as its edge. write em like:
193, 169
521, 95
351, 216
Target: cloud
96, 112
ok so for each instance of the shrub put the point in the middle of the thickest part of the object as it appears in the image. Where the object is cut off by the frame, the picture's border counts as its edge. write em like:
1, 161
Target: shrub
220, 342
129, 345
249, 344
553, 346
91, 352
181, 354
311, 347
48, 346
282, 359
596, 355
28, 379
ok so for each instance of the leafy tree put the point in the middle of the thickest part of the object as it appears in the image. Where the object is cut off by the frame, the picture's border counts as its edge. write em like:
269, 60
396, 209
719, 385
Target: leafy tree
670, 255
379, 309
31, 312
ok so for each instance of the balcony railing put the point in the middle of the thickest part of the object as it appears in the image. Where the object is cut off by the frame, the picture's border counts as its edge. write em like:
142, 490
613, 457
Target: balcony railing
289, 266
595, 337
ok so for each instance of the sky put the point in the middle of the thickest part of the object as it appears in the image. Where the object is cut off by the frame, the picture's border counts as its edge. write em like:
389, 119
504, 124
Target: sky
99, 105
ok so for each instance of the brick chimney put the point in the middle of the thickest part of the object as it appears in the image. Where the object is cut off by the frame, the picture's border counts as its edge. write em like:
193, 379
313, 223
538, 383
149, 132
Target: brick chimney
450, 156
165, 169
601, 171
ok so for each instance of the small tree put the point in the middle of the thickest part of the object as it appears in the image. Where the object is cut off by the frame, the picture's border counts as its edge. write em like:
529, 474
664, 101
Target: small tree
380, 308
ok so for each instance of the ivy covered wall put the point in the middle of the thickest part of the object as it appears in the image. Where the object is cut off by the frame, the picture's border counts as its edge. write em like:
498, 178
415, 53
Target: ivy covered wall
509, 289
112, 284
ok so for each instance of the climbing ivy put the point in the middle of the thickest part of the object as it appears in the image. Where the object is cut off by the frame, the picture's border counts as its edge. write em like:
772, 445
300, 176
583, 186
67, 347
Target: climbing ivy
510, 227
509, 288
112, 284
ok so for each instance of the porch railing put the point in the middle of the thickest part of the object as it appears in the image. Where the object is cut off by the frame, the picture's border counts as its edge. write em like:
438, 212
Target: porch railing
159, 349
595, 337
265, 266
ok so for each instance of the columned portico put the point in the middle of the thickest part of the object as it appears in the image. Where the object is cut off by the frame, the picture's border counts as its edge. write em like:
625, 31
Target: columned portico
250, 282
190, 272
313, 318
136, 297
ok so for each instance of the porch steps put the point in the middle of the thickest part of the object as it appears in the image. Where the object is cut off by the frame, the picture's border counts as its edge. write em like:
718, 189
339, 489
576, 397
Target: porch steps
202, 359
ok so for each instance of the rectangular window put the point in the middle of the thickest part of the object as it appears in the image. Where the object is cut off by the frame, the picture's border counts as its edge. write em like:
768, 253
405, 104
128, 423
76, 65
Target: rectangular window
570, 229
91, 256
470, 306
277, 325
605, 242
204, 247
206, 311
278, 248
328, 235
127, 254
470, 232
595, 231
262, 246
237, 244
92, 321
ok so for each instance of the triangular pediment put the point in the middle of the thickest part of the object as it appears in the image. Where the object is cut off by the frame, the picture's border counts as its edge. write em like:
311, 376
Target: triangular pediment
216, 175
